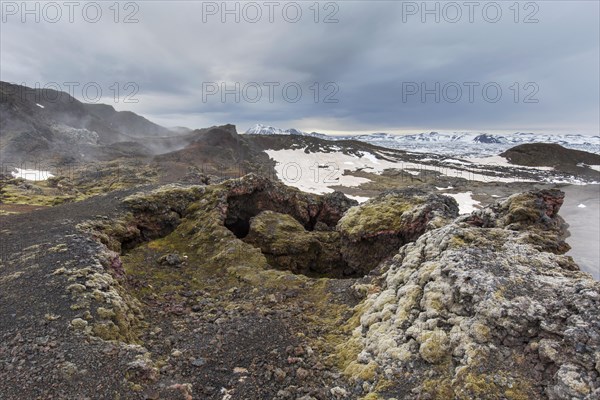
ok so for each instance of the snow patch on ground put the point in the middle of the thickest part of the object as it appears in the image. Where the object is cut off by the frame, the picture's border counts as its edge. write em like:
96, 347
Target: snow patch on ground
466, 204
594, 167
360, 199
316, 172
32, 174
370, 157
454, 161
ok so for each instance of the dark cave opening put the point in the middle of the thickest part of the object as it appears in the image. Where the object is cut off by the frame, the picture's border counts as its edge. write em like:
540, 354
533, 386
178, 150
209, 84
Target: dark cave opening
289, 238
240, 227
246, 206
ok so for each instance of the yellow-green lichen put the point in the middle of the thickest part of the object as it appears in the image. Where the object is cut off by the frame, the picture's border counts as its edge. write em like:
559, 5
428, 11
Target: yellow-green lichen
469, 384
434, 346
438, 389
382, 214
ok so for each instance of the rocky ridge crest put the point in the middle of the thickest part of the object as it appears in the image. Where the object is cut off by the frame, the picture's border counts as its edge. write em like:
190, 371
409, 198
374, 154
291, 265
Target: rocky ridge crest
484, 308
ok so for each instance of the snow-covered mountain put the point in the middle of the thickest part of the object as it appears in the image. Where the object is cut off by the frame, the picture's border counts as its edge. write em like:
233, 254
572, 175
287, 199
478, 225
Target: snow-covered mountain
260, 129
480, 137
450, 143
473, 143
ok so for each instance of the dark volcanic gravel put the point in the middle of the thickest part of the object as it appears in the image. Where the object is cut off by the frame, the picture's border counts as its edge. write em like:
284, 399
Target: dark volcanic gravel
239, 353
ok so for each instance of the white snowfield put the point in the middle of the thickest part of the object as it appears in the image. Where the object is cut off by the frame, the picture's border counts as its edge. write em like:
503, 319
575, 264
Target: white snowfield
317, 172
360, 199
32, 174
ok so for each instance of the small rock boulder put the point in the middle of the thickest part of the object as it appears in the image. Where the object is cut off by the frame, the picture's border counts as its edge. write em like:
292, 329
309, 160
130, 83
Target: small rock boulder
171, 260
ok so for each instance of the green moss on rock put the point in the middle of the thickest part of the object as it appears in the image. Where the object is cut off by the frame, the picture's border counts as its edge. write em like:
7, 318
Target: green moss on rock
289, 246
384, 214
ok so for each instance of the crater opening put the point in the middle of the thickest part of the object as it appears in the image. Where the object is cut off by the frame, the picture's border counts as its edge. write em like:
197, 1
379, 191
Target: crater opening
290, 237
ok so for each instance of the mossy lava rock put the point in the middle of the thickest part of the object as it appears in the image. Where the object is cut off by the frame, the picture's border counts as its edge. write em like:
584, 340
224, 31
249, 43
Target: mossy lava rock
377, 229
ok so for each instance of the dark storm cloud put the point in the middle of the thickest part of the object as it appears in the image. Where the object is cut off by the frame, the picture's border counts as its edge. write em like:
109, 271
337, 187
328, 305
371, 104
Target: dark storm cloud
372, 56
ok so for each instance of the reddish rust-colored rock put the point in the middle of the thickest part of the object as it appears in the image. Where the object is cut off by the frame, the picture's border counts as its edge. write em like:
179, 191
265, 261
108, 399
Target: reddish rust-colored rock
535, 213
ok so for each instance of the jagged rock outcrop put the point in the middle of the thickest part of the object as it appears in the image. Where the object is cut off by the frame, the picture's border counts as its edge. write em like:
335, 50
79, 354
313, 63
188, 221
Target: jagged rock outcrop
247, 197
376, 229
483, 308
535, 213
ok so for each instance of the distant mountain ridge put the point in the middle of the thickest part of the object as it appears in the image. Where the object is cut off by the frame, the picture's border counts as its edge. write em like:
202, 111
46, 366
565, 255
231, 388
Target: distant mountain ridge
45, 124
475, 143
432, 137
460, 143
479, 137
260, 129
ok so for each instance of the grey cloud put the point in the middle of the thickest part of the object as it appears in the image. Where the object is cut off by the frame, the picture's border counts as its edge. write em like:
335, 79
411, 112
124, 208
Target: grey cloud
171, 52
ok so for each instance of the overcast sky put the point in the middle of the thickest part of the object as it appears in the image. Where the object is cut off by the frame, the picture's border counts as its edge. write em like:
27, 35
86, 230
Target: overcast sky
370, 67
